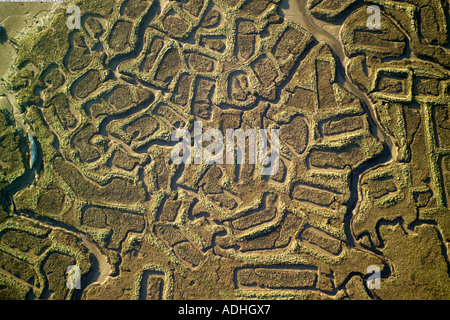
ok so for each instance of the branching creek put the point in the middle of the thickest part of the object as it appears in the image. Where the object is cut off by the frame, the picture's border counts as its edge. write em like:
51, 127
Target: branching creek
101, 267
295, 10
329, 33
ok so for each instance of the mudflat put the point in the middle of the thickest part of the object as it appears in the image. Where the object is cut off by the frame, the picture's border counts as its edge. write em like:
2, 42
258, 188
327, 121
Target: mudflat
16, 19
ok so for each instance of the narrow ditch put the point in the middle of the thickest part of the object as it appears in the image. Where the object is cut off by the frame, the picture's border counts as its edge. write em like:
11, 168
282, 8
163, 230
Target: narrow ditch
299, 13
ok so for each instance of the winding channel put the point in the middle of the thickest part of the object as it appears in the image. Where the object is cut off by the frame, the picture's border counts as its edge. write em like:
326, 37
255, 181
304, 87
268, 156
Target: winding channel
297, 11
101, 268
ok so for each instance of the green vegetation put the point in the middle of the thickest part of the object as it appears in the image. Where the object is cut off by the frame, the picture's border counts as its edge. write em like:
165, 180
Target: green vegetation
11, 158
